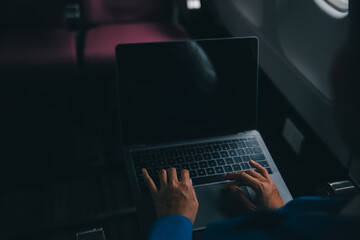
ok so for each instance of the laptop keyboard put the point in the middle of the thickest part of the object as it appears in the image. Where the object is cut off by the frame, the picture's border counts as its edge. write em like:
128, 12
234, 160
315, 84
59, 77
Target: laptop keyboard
206, 162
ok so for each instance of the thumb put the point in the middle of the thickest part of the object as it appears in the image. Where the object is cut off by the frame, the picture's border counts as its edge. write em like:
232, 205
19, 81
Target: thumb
241, 195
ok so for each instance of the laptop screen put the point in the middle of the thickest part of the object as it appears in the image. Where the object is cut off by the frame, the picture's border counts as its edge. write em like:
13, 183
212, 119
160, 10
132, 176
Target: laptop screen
172, 91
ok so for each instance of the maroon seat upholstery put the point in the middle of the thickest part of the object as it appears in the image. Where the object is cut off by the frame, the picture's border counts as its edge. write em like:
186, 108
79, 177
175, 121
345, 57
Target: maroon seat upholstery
120, 21
37, 50
33, 37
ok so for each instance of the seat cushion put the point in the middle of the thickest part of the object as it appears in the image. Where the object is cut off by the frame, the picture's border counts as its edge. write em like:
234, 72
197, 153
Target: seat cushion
37, 50
100, 42
124, 11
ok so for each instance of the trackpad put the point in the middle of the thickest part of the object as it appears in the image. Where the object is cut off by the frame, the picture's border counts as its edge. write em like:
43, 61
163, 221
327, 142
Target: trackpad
216, 204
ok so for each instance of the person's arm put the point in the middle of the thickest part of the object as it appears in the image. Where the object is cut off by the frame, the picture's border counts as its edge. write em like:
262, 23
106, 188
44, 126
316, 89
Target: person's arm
176, 205
174, 227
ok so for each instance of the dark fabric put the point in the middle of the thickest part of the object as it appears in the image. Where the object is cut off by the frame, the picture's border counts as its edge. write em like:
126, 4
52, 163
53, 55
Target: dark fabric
34, 13
165, 228
37, 50
100, 42
98, 12
303, 218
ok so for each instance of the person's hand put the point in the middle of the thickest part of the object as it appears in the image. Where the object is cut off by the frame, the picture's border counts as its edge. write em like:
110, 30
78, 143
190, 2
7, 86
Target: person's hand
267, 195
174, 197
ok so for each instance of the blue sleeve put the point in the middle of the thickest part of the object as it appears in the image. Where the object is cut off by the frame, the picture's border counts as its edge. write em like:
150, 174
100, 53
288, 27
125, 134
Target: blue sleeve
314, 204
172, 227
306, 218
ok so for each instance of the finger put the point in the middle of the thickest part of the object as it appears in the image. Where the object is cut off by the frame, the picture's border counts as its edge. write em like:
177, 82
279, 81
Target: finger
163, 178
260, 168
172, 176
254, 174
247, 180
239, 193
149, 182
185, 177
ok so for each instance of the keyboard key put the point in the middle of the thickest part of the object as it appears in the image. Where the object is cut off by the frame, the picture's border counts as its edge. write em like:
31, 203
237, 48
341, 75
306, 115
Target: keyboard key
233, 146
210, 171
219, 170
162, 163
252, 144
198, 157
224, 154
185, 166
200, 150
152, 164
225, 147
241, 145
263, 163
237, 160
192, 173
220, 162
245, 158
171, 161
194, 166
216, 148
201, 172
208, 149
212, 163
269, 170
245, 166
228, 168
232, 153
229, 160
180, 160
249, 151
257, 150
150, 172
207, 179
257, 157
173, 154
156, 172
182, 152
236, 167
191, 151
203, 164
189, 159
206, 156
241, 152
215, 155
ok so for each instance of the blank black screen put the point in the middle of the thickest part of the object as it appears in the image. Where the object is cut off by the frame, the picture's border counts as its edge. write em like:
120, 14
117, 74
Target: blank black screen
172, 91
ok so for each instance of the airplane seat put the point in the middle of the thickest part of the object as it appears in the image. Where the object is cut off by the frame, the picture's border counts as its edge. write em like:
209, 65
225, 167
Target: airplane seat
34, 37
111, 22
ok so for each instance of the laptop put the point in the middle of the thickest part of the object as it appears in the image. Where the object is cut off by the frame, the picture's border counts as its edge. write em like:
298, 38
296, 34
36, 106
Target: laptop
191, 104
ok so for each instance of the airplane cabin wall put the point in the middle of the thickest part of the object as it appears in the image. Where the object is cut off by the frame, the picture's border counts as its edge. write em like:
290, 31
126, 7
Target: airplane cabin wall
298, 44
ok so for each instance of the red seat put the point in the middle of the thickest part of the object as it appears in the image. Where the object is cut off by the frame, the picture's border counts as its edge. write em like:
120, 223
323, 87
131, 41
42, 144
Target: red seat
100, 42
119, 21
37, 50
33, 37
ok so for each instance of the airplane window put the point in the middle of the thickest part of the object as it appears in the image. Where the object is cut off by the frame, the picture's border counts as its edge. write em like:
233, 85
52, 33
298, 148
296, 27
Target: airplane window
193, 4
334, 8
341, 5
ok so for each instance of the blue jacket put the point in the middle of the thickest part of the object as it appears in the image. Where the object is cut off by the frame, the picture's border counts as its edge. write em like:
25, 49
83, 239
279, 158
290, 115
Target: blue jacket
303, 218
